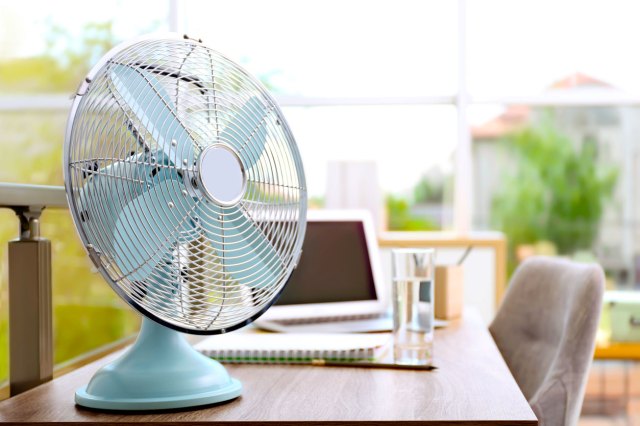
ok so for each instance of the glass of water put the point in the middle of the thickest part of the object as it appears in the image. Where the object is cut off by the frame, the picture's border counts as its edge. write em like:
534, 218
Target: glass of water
413, 305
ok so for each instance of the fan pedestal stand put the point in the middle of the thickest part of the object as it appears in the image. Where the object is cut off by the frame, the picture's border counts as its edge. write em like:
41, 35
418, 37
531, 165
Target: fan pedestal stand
160, 371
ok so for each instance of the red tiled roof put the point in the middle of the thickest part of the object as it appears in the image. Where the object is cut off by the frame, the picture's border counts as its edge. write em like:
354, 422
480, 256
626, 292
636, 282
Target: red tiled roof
517, 116
578, 80
514, 118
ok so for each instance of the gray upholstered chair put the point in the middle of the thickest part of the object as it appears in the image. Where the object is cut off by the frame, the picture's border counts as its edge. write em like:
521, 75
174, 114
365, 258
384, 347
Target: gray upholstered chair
546, 329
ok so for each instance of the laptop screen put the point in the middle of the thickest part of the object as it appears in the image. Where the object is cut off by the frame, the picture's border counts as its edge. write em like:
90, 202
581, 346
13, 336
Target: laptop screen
334, 266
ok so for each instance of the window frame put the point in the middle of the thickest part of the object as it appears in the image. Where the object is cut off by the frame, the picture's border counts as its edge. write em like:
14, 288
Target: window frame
461, 101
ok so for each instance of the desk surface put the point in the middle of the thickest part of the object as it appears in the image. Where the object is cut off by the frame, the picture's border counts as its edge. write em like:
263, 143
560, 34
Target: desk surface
618, 350
471, 386
392, 239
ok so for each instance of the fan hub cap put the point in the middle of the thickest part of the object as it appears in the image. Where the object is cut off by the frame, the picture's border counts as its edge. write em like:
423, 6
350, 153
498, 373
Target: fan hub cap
221, 175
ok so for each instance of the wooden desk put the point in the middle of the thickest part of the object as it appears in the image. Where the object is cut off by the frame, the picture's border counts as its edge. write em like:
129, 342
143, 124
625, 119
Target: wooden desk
618, 350
472, 386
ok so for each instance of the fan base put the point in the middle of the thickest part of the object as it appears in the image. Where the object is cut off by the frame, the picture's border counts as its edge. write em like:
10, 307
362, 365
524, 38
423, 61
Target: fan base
232, 391
160, 371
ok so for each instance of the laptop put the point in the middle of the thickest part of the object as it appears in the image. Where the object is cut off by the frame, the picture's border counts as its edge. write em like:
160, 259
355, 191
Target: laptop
337, 285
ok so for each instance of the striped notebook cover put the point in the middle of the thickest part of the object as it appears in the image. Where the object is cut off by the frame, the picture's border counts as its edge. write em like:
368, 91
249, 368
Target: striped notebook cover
293, 348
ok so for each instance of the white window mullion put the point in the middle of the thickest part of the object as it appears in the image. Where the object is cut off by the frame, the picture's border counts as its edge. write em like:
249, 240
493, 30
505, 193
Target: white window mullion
174, 16
463, 188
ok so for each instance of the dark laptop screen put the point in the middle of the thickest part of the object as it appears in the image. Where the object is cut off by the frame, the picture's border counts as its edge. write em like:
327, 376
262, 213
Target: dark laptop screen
334, 266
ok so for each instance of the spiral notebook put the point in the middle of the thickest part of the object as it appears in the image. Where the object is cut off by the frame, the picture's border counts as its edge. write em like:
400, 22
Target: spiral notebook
294, 348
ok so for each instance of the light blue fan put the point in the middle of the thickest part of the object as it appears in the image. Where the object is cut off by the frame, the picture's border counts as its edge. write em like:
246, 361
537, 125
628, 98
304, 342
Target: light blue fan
187, 189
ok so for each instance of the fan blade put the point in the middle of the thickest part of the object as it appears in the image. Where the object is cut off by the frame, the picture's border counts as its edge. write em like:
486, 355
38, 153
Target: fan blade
155, 110
120, 180
149, 225
161, 286
249, 257
248, 129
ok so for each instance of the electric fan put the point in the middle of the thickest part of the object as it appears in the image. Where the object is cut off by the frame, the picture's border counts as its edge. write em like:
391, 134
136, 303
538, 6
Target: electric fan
187, 189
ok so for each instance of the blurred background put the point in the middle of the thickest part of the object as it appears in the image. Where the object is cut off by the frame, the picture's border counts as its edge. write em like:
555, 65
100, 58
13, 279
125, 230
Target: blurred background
437, 115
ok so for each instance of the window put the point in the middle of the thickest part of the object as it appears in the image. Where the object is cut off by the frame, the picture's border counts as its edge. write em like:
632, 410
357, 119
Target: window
419, 140
432, 103
361, 82
522, 48
333, 48
43, 57
553, 119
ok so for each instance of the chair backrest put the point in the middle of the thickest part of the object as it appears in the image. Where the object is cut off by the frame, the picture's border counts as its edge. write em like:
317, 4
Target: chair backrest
546, 329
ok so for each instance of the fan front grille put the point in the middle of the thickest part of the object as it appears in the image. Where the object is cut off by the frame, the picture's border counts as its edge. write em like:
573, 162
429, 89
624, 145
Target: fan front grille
132, 177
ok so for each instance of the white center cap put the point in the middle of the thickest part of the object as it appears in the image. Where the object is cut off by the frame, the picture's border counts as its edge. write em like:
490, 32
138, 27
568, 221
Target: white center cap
221, 174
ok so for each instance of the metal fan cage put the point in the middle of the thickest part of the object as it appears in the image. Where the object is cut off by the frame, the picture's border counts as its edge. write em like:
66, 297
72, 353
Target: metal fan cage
170, 252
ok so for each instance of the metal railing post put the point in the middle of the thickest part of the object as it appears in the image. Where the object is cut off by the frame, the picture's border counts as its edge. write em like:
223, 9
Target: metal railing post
30, 301
30, 307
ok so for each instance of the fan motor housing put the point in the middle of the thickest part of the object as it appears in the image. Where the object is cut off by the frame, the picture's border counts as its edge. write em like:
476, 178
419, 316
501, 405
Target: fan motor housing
221, 175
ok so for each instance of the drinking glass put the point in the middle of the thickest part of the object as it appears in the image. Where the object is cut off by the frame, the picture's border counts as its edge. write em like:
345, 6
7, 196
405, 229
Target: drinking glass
413, 305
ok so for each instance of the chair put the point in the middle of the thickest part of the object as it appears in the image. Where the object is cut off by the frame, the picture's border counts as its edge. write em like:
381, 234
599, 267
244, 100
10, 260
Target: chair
546, 329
